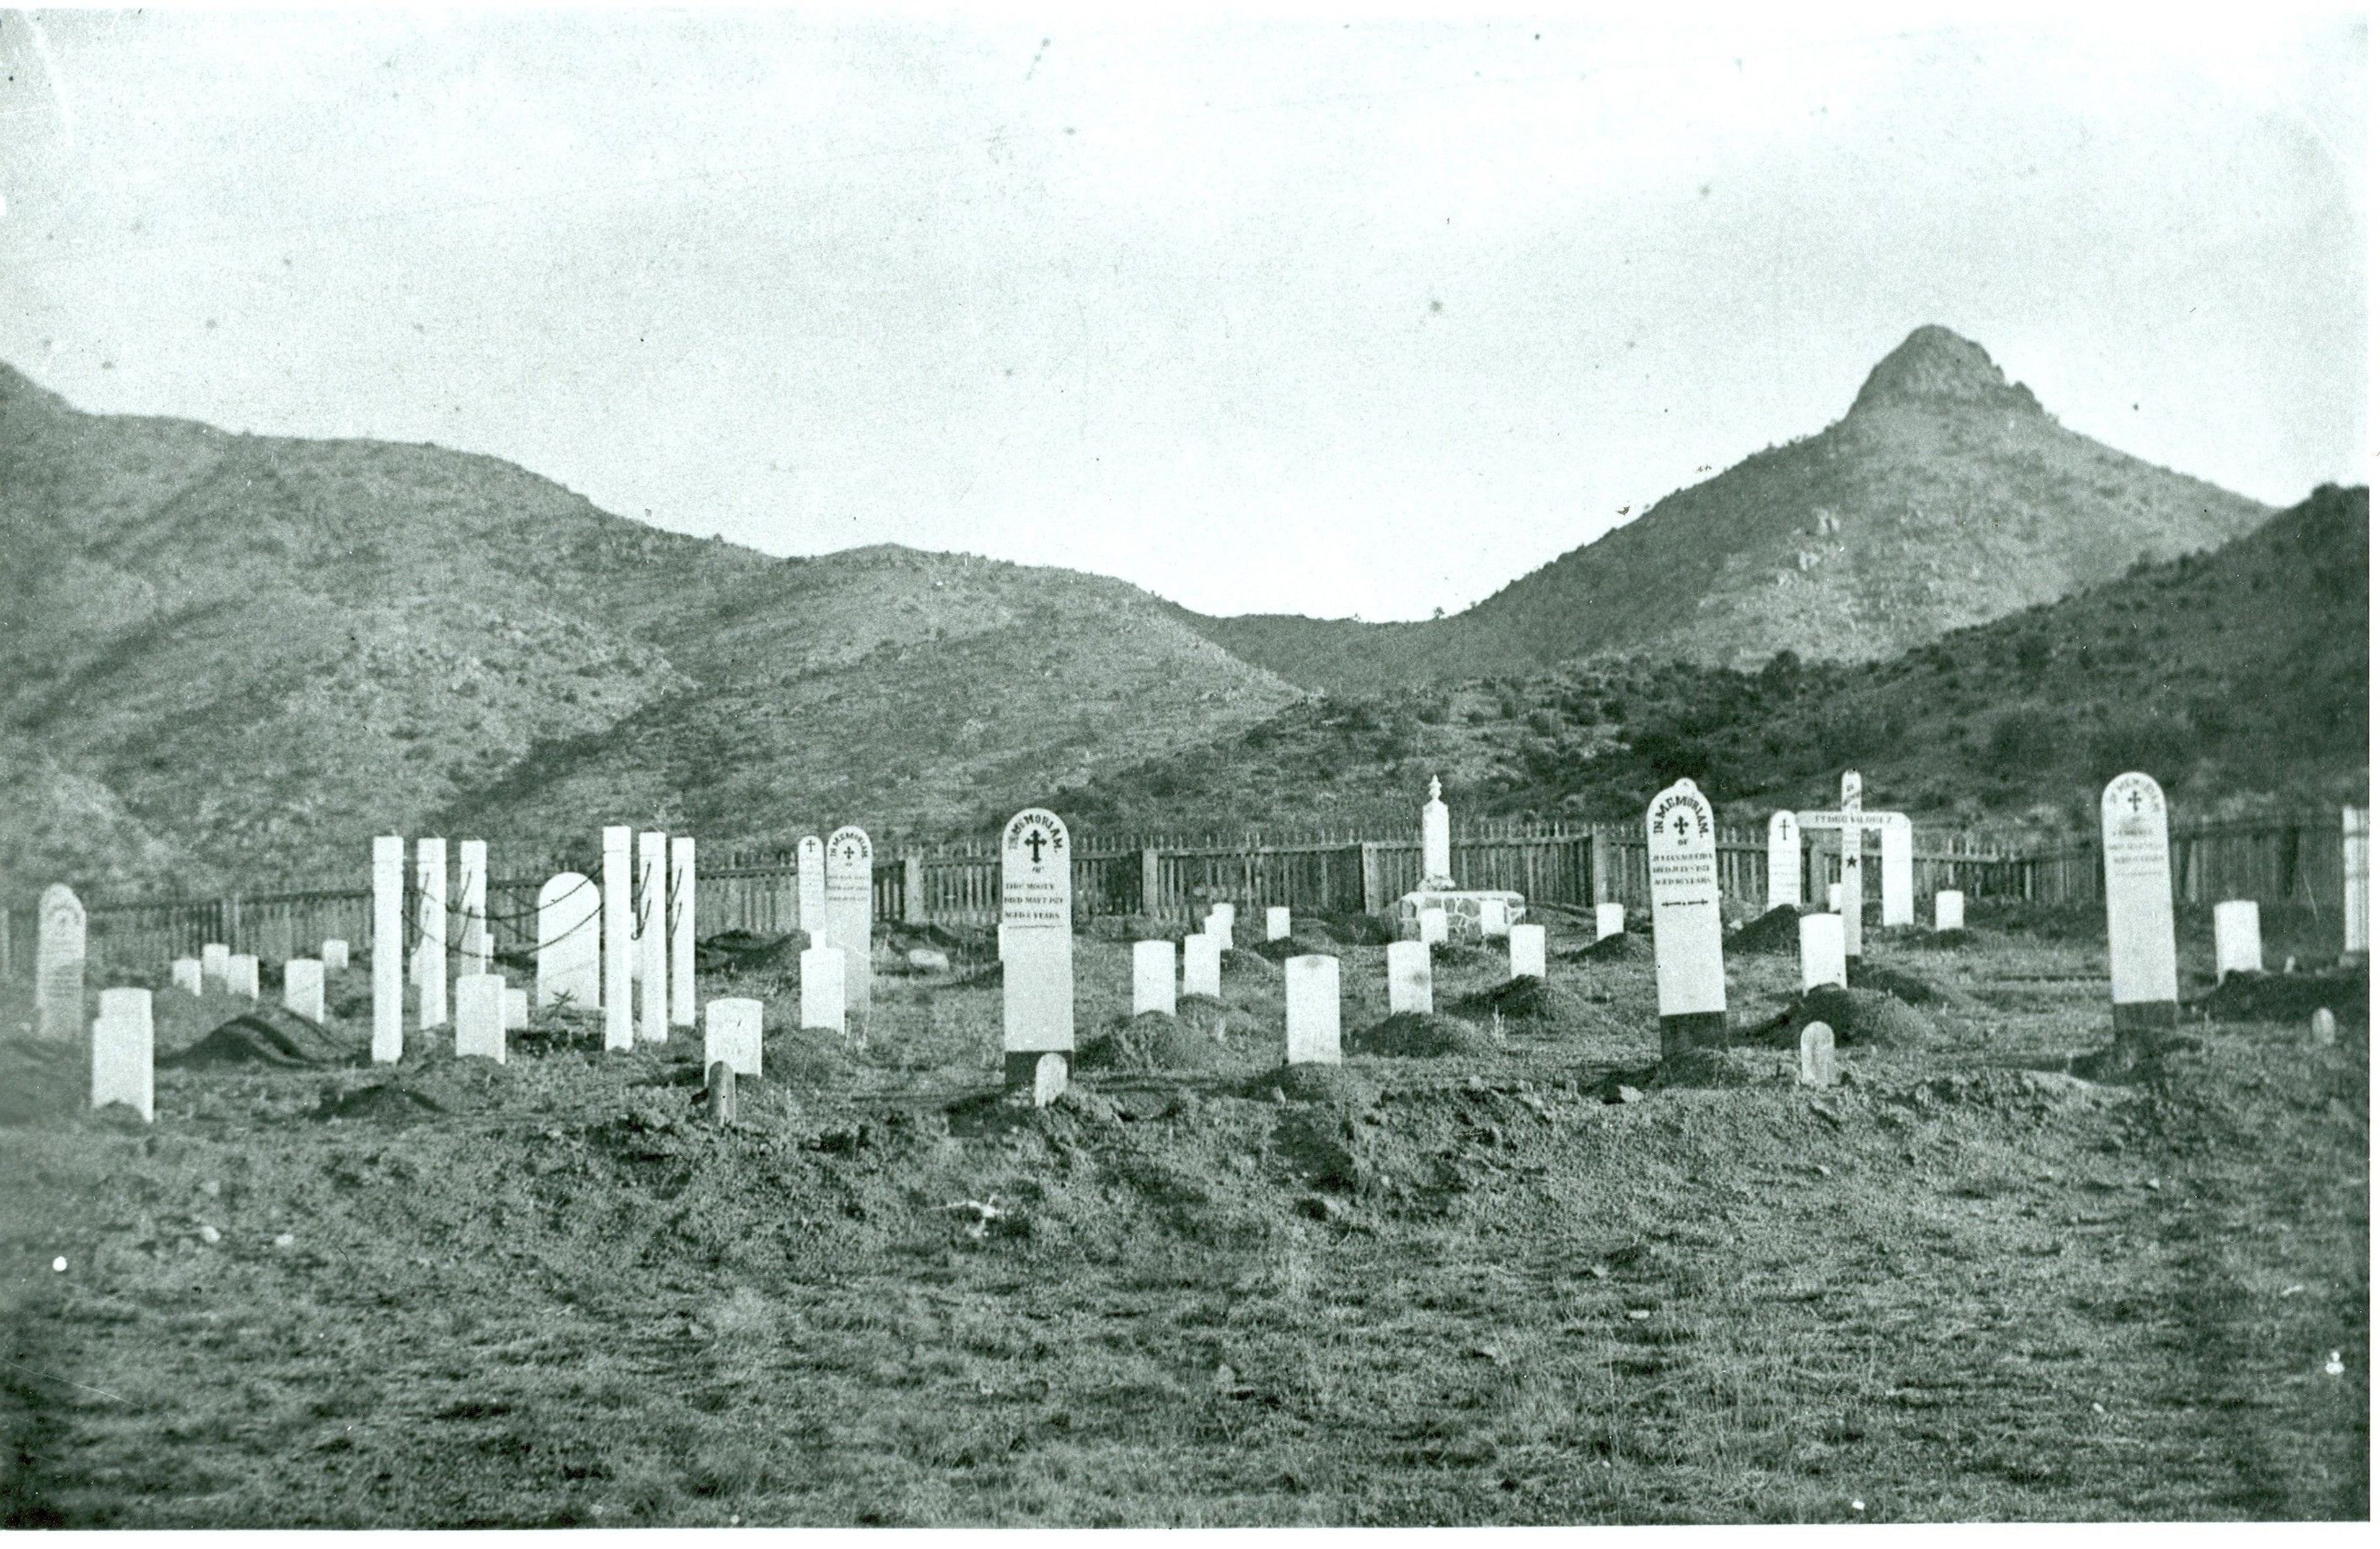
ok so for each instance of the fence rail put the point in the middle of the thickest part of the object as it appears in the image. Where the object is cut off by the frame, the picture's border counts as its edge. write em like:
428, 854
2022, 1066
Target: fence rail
2274, 859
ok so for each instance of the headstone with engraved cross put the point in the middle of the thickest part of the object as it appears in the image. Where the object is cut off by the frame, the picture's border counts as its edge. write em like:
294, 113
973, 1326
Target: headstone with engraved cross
1037, 905
2139, 865
851, 913
1689, 972
59, 952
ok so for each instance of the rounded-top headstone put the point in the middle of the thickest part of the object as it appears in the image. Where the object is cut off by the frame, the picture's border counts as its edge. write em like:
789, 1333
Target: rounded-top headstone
1817, 1055
2325, 1027
851, 909
1037, 905
570, 942
2139, 870
1689, 971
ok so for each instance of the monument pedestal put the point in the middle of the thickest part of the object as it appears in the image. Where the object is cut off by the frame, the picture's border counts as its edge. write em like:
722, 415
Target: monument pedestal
1462, 907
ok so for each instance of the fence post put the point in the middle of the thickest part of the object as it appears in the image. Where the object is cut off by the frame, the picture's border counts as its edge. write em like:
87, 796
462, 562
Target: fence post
1152, 883
912, 890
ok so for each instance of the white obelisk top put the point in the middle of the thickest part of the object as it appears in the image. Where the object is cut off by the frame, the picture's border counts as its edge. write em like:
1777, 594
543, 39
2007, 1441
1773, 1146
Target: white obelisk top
1436, 841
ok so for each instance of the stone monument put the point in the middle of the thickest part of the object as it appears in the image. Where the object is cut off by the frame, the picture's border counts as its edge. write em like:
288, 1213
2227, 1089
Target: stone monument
1461, 906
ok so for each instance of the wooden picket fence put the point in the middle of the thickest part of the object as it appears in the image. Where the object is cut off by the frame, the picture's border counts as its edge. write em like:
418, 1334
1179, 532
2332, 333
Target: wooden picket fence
2274, 859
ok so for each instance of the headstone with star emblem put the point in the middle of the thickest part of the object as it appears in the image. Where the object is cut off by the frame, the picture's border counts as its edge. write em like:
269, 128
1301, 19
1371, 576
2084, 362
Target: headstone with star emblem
1037, 905
1689, 972
2139, 865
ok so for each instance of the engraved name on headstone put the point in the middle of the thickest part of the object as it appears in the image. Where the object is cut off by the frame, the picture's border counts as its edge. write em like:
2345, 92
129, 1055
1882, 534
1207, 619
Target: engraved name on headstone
1037, 904
60, 952
2139, 868
850, 911
1689, 972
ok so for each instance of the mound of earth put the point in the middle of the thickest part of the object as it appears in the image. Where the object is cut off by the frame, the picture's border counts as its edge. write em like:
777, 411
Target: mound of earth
1773, 935
730, 950
1203, 1015
264, 1034
1942, 941
1248, 961
940, 938
387, 1102
1412, 1035
1306, 941
1707, 1068
1619, 948
1530, 1001
1152, 1040
2286, 997
807, 1059
1468, 952
1335, 1084
1858, 1017
1899, 983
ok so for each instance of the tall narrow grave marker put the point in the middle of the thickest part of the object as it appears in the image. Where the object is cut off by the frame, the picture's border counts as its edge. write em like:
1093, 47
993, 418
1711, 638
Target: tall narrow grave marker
809, 867
1784, 861
388, 949
124, 1053
681, 931
1897, 854
60, 951
471, 883
2140, 906
1311, 985
653, 936
1689, 972
430, 930
851, 912
619, 935
1037, 904
2355, 860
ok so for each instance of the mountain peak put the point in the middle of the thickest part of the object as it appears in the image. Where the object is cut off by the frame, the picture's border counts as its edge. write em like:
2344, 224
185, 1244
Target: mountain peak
1934, 367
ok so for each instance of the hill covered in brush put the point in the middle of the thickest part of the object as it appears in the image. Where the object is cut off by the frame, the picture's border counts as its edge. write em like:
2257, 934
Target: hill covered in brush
1946, 496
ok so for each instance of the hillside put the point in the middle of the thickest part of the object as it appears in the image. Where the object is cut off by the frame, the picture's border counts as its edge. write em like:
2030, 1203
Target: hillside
2232, 676
1946, 496
227, 657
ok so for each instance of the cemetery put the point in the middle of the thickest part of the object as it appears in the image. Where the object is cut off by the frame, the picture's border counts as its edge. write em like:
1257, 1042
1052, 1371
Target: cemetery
1618, 1179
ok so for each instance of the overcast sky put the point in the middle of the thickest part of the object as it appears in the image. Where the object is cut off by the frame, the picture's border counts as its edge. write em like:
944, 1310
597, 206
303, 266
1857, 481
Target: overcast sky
1300, 317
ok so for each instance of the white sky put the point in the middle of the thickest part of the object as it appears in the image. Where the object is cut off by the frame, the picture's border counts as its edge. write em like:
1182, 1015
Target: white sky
1304, 317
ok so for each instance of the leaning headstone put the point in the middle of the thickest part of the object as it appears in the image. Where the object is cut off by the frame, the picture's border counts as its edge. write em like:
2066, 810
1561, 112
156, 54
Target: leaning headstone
430, 930
388, 949
1049, 1079
515, 1009
334, 954
1610, 920
1817, 1055
124, 1053
245, 975
1037, 904
653, 936
1152, 977
214, 958
2355, 861
1276, 923
850, 910
680, 911
1492, 923
186, 976
1202, 966
480, 1016
1409, 978
2140, 906
570, 942
59, 952
1311, 983
471, 906
1433, 926
619, 937
809, 867
1822, 951
1528, 951
301, 987
1950, 910
1689, 972
823, 1001
1784, 861
2238, 938
1897, 855
2325, 1027
731, 1031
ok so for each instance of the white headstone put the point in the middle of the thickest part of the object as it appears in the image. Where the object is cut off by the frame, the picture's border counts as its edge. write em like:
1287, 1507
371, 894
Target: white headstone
334, 954
2324, 1027
186, 976
1037, 904
1049, 1079
430, 930
2238, 938
1152, 977
214, 958
1822, 951
59, 954
480, 1016
1492, 923
809, 867
1223, 923
1610, 920
1311, 985
1852, 905
1004, 943
1409, 978
471, 906
851, 909
2140, 899
1817, 1055
823, 1001
301, 987
1433, 926
246, 979
2355, 858
570, 942
1436, 841
681, 933
1528, 951
619, 937
1784, 861
1202, 966
1898, 846
1276, 923
1950, 911
1682, 864
515, 1009
731, 1031
124, 1053
653, 936
388, 949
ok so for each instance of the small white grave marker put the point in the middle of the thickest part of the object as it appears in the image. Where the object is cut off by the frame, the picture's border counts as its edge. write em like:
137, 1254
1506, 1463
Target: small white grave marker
1409, 978
1950, 911
1610, 920
388, 949
1817, 1055
1152, 977
214, 958
480, 1016
570, 942
1276, 923
1528, 951
1049, 1079
1202, 966
1311, 985
334, 954
2238, 939
430, 930
244, 976
1492, 923
1223, 923
1822, 951
681, 931
1689, 972
1433, 927
515, 1009
59, 954
2140, 904
186, 976
301, 987
619, 937
2325, 1027
123, 1053
1784, 861
653, 936
850, 911
1037, 904
731, 1031
823, 1001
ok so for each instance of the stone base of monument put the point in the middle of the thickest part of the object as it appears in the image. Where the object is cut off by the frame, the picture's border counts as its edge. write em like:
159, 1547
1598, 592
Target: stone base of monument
1462, 907
1698, 1030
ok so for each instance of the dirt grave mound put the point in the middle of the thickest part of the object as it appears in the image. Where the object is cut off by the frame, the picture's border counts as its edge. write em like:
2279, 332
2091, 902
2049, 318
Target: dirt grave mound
1153, 1040
1250, 963
1413, 1036
1531, 1003
383, 1101
2286, 997
1942, 941
1899, 984
732, 950
1707, 1068
1858, 1017
1334, 1084
263, 1035
1776, 934
1618, 947
1306, 941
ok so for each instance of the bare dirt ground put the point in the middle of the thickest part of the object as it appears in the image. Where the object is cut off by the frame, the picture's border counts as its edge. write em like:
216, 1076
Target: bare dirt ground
1476, 1287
